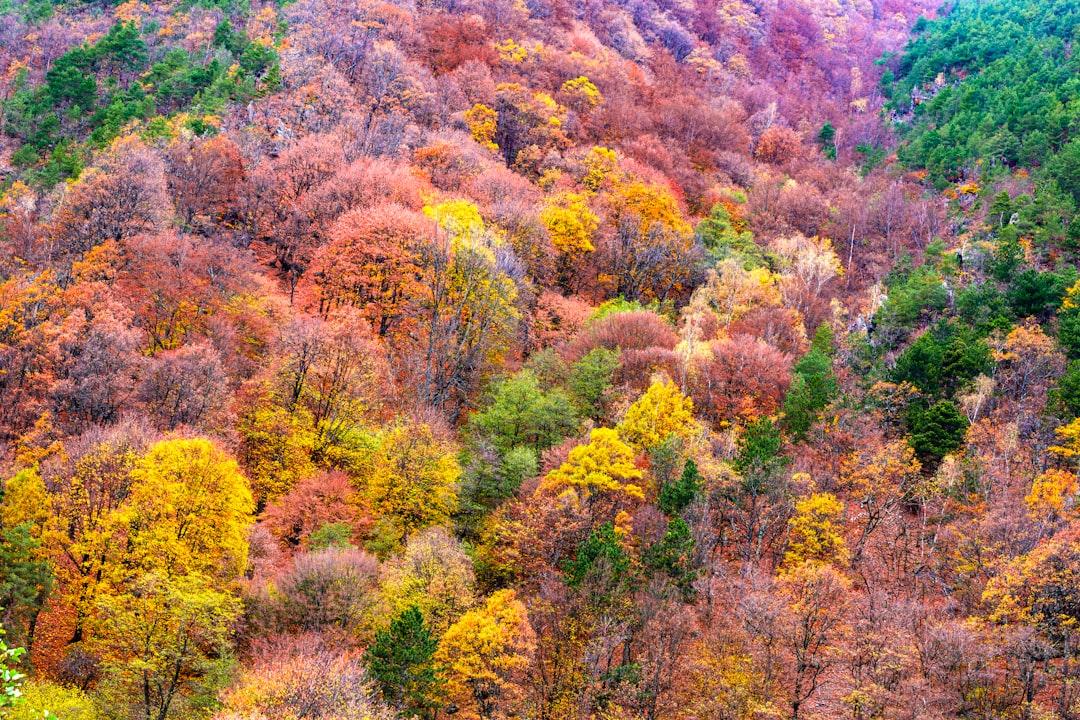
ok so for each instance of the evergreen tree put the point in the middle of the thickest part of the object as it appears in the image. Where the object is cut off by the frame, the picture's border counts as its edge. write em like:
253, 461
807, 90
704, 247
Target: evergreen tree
401, 661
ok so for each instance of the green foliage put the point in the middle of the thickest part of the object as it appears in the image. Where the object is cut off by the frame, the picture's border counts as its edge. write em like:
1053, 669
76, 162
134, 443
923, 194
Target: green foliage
679, 495
937, 431
11, 680
1008, 100
488, 479
591, 380
673, 556
401, 660
1069, 331
92, 92
521, 414
872, 155
723, 240
1038, 294
330, 535
827, 140
813, 386
1067, 393
912, 296
760, 449
942, 359
601, 557
26, 578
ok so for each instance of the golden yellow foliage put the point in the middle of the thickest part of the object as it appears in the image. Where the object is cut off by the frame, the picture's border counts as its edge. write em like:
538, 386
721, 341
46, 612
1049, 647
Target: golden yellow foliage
483, 651
1050, 493
605, 464
1069, 436
189, 511
482, 122
460, 219
570, 222
413, 478
601, 164
815, 532
582, 93
660, 412
650, 205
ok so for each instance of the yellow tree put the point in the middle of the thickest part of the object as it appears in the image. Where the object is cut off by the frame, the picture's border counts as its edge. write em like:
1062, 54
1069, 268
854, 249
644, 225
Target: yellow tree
814, 532
412, 480
1052, 494
660, 412
189, 510
605, 464
483, 653
570, 223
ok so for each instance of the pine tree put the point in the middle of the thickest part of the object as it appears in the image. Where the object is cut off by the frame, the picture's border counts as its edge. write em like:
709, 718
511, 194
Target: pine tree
401, 661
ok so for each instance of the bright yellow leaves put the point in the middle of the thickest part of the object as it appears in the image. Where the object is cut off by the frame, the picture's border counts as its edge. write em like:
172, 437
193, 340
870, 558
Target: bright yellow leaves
483, 651
815, 532
482, 122
601, 164
581, 94
413, 479
460, 219
570, 222
1069, 436
605, 464
1051, 493
188, 511
510, 51
660, 412
650, 205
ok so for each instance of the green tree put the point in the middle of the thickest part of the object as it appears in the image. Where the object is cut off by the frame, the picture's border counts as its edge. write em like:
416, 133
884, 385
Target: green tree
26, 579
813, 386
401, 660
591, 380
677, 496
937, 431
521, 414
674, 556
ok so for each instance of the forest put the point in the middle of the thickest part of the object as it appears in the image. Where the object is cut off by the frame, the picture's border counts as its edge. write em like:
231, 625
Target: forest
539, 360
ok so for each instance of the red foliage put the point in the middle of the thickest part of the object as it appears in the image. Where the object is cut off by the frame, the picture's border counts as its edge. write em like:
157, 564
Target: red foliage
745, 378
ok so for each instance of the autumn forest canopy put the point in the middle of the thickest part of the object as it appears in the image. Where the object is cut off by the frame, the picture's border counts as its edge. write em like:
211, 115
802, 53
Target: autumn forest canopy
539, 360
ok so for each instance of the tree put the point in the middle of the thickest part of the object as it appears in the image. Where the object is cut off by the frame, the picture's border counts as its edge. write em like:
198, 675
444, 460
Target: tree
937, 431
816, 594
813, 385
157, 635
815, 532
660, 412
778, 145
673, 555
125, 194
294, 678
741, 379
521, 414
188, 511
412, 479
605, 464
401, 660
677, 496
570, 223
328, 591
371, 264
464, 312
483, 652
590, 382
434, 574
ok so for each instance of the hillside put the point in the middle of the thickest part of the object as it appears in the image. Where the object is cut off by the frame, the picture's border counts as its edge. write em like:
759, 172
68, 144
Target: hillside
539, 359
